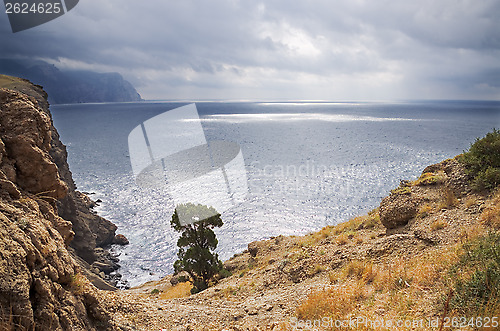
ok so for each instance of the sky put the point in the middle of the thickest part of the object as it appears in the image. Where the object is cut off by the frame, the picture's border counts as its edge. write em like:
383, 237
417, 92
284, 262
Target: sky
330, 50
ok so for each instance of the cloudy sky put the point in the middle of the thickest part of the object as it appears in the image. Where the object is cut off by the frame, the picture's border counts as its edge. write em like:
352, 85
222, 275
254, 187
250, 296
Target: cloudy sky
278, 49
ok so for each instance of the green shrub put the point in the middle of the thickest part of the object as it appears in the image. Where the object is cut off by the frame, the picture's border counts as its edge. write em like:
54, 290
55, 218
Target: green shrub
477, 276
483, 161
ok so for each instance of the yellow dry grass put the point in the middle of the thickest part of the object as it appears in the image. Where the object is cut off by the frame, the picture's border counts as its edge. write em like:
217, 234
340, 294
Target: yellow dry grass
180, 290
425, 210
404, 289
430, 178
491, 215
448, 199
438, 224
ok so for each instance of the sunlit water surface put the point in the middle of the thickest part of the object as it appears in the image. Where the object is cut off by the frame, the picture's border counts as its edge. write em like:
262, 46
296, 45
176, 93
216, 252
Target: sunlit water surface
307, 165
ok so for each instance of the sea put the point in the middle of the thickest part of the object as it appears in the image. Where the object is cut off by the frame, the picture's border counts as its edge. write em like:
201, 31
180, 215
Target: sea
302, 165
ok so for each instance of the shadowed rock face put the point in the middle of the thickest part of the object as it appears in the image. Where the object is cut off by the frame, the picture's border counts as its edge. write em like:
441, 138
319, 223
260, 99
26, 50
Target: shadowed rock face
26, 136
41, 215
38, 165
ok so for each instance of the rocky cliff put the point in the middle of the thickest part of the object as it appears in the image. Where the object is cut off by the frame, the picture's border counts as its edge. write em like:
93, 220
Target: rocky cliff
48, 233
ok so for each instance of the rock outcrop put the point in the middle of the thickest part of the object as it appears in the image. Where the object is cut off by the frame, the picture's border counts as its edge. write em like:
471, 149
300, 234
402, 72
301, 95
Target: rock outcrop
398, 208
448, 180
44, 224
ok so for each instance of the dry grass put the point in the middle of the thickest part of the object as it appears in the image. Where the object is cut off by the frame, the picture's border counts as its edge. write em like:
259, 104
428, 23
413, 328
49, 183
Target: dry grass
360, 270
316, 269
430, 178
491, 215
448, 199
349, 226
230, 293
180, 290
438, 224
77, 284
334, 302
342, 232
425, 210
341, 239
372, 220
470, 201
315, 237
404, 288
369, 221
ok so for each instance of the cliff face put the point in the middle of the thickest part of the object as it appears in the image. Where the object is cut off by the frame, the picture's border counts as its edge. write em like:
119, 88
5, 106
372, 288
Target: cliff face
91, 230
44, 225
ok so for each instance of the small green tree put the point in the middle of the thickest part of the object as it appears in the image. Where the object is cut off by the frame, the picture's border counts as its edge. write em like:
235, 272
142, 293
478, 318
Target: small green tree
196, 243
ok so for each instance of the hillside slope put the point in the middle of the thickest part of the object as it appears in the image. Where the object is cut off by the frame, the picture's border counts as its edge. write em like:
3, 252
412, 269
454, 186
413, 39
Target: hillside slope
393, 265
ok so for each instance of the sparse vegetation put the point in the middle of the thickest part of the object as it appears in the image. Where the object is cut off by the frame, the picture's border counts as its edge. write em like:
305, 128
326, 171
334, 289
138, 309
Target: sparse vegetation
180, 290
482, 161
360, 270
470, 201
425, 210
448, 199
316, 269
334, 302
369, 221
400, 288
430, 178
401, 190
491, 215
77, 283
341, 239
23, 223
438, 224
477, 277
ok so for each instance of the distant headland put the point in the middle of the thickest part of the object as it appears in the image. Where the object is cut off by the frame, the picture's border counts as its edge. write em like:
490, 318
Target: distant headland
65, 86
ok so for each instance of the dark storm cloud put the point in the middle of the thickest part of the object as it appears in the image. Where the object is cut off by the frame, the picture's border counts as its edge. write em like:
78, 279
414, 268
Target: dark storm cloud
279, 49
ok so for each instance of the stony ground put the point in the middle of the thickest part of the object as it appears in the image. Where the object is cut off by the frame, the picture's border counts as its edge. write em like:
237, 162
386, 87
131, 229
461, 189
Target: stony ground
273, 278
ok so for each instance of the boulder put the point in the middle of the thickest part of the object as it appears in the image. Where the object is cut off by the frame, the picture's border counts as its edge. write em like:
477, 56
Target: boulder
106, 267
120, 239
397, 209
